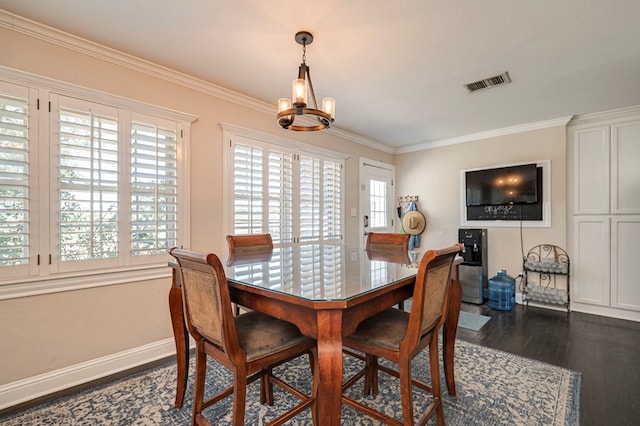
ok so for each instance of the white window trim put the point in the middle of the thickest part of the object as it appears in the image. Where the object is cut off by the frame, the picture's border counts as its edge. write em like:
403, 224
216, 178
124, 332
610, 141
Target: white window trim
38, 285
230, 130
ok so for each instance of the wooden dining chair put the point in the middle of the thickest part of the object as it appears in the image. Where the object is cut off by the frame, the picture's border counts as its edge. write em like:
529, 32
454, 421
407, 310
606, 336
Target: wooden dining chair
249, 244
387, 241
383, 243
390, 256
247, 248
400, 336
249, 345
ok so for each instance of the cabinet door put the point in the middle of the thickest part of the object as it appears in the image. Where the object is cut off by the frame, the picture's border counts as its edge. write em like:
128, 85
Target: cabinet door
625, 164
590, 269
591, 168
625, 240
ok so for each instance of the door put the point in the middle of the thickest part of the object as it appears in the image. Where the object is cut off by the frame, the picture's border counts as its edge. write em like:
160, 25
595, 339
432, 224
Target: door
625, 234
377, 198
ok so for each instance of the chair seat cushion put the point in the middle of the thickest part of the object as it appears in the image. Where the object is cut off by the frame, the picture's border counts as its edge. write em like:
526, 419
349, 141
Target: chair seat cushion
260, 335
385, 329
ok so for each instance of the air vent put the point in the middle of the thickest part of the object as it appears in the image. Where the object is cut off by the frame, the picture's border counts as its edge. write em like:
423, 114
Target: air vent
497, 80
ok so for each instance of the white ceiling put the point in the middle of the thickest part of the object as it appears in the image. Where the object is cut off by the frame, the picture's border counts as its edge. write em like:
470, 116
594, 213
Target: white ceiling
395, 68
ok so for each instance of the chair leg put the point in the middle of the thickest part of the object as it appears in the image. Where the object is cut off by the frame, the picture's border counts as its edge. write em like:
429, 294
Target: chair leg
371, 375
406, 394
198, 388
266, 387
239, 396
435, 378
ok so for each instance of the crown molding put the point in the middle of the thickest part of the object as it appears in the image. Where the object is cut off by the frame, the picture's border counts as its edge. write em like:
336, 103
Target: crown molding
361, 140
52, 35
98, 51
562, 121
609, 116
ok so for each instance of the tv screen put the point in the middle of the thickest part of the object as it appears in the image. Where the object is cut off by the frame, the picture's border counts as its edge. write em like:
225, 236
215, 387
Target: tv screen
504, 185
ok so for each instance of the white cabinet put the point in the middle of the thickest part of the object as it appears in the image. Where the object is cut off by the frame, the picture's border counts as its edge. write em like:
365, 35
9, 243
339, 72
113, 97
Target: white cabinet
604, 188
591, 265
591, 169
625, 168
625, 286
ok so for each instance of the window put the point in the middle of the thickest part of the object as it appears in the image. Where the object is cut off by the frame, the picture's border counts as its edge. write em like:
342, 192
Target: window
378, 203
14, 179
293, 193
87, 186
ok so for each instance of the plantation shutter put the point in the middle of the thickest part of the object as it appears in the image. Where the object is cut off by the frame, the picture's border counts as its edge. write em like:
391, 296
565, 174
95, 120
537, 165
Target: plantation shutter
14, 181
248, 189
280, 192
87, 181
295, 196
331, 200
154, 188
309, 198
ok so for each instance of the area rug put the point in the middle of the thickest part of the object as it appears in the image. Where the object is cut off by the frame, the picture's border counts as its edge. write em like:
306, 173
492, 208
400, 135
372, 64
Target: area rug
494, 388
472, 321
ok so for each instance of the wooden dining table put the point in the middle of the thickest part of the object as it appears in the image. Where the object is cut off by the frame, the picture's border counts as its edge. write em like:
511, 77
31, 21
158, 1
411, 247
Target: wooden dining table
326, 290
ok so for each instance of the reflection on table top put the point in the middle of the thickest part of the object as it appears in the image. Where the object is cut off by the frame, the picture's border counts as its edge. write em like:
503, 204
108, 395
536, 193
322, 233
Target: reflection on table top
321, 271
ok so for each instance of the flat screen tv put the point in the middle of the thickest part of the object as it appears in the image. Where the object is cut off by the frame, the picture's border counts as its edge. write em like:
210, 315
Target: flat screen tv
501, 186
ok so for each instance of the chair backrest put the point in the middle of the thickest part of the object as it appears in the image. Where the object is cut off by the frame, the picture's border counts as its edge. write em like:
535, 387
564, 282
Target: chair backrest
206, 300
431, 293
393, 256
387, 241
249, 244
243, 259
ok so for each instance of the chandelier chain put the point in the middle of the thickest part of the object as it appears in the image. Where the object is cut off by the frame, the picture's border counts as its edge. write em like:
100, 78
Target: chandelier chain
304, 51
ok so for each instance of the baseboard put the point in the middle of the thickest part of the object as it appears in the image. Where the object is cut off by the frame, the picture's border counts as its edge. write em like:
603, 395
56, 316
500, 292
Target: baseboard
606, 311
44, 384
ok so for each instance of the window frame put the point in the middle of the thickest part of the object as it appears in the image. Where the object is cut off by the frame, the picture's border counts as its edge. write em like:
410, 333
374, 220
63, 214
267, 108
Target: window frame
44, 279
230, 131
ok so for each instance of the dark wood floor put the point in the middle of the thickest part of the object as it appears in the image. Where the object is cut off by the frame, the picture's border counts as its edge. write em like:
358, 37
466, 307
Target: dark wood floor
606, 351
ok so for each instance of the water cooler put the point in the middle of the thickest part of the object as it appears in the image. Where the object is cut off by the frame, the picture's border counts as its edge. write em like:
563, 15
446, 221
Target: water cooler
473, 270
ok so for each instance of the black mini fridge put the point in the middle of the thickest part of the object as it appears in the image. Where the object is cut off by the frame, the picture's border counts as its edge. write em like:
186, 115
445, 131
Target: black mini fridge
473, 270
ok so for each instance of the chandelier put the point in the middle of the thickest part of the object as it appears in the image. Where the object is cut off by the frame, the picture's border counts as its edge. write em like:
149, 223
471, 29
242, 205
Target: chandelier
288, 111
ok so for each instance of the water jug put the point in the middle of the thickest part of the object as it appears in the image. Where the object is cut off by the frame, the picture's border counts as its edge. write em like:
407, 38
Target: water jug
502, 291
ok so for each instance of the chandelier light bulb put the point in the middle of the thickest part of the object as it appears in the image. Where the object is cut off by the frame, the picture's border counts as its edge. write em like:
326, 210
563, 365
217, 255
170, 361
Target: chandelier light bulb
299, 92
329, 106
284, 104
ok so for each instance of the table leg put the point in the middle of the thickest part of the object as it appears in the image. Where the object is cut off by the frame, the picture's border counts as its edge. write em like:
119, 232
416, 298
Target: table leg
449, 332
181, 340
329, 403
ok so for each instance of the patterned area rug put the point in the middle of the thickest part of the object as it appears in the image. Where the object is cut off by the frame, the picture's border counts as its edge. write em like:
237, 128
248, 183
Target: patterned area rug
494, 388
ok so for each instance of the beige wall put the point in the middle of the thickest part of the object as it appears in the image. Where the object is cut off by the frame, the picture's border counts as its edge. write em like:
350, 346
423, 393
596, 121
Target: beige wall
434, 175
44, 333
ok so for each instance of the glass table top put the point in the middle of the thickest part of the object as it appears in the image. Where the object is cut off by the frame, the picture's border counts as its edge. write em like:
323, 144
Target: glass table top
322, 271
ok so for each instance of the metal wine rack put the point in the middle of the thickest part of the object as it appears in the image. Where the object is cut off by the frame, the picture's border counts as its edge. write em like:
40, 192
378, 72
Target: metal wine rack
550, 265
